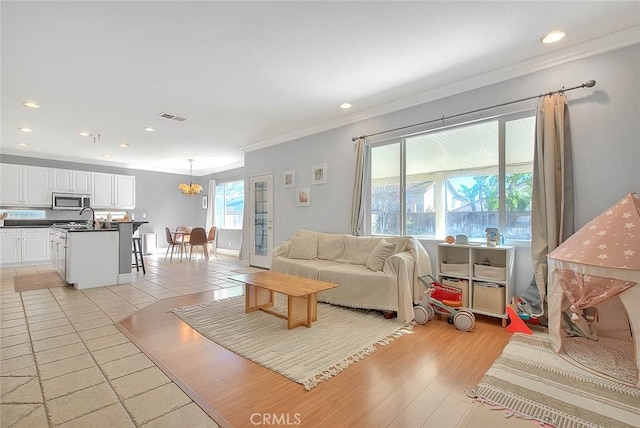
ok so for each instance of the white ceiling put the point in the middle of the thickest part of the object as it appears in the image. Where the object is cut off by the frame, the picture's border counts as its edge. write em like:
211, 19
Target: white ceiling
251, 74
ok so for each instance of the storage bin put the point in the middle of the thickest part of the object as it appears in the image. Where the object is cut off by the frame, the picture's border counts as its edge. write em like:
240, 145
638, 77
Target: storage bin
462, 285
489, 299
454, 268
490, 272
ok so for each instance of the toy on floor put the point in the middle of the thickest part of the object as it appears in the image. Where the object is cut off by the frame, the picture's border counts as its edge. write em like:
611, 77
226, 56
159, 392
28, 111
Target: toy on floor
443, 300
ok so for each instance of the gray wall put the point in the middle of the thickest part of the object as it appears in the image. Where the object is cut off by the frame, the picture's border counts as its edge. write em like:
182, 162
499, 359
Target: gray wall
604, 123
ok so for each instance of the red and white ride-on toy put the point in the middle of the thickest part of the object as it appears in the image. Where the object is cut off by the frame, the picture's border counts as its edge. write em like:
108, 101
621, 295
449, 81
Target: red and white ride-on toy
443, 300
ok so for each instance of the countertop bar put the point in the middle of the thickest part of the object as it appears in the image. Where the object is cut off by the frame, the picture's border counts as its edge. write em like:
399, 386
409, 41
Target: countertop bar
12, 224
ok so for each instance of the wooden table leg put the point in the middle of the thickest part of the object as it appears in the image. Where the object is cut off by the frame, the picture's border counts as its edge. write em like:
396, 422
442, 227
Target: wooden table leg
298, 311
256, 298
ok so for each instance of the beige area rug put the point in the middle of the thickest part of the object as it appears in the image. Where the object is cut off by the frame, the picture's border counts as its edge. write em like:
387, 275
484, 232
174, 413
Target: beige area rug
608, 355
531, 381
36, 281
339, 338
248, 270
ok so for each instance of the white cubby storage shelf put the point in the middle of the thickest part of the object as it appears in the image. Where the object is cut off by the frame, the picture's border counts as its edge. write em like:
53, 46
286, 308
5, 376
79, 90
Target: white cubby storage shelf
486, 275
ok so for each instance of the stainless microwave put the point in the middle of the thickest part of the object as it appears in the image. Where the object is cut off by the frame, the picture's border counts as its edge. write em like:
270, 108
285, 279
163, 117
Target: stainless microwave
70, 201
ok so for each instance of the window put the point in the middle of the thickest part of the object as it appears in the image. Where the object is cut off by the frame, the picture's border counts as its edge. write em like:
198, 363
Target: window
25, 214
456, 180
229, 205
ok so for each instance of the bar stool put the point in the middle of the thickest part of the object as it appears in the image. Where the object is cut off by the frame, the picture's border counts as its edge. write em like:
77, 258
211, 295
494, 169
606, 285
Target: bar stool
137, 255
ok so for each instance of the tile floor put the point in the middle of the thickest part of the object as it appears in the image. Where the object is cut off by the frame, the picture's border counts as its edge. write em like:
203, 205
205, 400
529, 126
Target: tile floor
63, 363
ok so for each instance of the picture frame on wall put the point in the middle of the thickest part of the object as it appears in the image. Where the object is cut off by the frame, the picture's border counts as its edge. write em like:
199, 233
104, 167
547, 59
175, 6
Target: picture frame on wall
205, 202
303, 197
288, 178
319, 173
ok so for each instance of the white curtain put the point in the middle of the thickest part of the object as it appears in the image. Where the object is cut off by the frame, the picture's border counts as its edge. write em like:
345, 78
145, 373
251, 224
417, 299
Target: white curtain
552, 195
357, 203
211, 208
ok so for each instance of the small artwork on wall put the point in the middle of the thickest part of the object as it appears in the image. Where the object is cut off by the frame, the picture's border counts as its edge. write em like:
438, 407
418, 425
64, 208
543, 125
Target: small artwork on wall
205, 201
319, 173
288, 178
303, 197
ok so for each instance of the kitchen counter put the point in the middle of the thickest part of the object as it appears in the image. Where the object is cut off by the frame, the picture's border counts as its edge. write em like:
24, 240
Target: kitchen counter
54, 223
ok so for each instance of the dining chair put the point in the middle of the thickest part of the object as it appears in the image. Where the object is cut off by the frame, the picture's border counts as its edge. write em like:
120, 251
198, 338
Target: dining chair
173, 244
198, 238
211, 239
183, 234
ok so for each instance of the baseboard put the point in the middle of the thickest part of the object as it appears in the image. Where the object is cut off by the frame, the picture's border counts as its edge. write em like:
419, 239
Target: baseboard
228, 252
124, 278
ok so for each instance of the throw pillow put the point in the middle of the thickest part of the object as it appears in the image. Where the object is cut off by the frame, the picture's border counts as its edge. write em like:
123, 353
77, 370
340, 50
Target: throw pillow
380, 253
357, 249
330, 246
303, 247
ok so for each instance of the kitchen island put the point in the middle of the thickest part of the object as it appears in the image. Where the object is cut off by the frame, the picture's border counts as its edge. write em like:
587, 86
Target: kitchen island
92, 258
95, 257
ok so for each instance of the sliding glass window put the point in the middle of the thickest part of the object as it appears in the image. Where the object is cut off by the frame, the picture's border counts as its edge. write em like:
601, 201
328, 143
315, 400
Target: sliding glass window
456, 180
229, 205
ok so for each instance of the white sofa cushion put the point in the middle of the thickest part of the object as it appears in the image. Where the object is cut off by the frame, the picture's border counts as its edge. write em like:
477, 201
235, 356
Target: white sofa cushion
303, 247
380, 253
359, 287
330, 246
302, 268
357, 249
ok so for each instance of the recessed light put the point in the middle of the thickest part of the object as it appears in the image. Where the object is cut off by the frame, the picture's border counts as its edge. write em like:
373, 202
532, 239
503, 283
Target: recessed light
149, 129
23, 144
25, 129
123, 145
345, 105
553, 37
106, 155
84, 134
30, 104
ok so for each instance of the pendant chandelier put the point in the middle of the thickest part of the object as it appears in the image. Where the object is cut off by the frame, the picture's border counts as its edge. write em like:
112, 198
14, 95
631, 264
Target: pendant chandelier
191, 189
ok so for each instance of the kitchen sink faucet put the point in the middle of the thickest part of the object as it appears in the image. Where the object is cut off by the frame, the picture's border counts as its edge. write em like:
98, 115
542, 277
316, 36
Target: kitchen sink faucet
93, 216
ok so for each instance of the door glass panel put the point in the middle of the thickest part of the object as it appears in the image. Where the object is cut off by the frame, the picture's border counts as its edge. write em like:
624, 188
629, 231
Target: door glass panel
261, 243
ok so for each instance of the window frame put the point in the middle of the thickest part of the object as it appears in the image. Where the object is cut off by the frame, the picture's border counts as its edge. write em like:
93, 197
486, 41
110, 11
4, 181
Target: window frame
440, 178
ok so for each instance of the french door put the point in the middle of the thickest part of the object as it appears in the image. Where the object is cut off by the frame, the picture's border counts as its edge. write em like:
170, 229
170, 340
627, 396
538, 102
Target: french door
260, 230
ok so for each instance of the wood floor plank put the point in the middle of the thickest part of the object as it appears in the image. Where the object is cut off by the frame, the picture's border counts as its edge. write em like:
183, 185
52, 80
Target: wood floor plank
418, 378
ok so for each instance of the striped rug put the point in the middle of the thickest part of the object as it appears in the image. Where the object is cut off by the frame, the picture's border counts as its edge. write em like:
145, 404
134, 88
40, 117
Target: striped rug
532, 381
339, 338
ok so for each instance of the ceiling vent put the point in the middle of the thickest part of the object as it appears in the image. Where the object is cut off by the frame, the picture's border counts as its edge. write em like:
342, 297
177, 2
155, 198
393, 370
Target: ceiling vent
172, 117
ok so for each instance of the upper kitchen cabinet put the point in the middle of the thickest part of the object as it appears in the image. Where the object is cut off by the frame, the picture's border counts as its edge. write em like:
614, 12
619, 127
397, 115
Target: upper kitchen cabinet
70, 181
113, 191
28, 186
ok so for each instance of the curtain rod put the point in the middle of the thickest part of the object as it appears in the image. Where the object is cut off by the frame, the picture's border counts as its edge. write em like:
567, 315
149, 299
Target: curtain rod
587, 84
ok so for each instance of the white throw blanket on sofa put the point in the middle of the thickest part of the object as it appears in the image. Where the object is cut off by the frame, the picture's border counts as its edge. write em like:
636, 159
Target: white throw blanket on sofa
372, 272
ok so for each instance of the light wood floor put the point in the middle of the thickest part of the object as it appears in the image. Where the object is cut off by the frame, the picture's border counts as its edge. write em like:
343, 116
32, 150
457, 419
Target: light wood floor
417, 381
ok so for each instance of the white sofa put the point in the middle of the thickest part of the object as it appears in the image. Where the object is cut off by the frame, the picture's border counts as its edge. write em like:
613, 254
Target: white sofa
372, 272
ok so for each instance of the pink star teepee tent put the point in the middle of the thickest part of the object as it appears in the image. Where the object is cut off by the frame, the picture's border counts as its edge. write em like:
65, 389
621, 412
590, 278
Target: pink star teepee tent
599, 267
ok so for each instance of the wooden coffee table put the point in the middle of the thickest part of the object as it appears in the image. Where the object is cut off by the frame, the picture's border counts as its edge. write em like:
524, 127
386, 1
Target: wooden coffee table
302, 293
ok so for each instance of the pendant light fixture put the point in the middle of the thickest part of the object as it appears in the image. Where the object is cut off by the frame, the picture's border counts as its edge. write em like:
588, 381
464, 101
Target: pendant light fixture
191, 189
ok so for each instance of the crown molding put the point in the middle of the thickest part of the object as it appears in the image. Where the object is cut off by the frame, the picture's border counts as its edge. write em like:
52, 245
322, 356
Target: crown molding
610, 42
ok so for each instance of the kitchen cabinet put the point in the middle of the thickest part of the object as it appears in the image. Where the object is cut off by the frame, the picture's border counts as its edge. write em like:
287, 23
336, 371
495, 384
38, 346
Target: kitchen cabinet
24, 246
71, 181
28, 186
35, 245
485, 274
10, 246
113, 191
